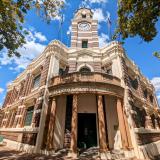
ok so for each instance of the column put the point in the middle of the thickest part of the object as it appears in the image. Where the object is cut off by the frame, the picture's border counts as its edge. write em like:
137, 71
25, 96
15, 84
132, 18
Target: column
101, 123
156, 123
50, 134
148, 121
122, 127
24, 111
37, 112
12, 119
73, 146
130, 146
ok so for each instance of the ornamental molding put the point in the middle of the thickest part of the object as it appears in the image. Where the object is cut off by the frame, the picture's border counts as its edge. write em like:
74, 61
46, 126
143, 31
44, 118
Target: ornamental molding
87, 88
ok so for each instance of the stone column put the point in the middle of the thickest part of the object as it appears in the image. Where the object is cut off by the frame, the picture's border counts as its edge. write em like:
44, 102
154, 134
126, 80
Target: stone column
148, 121
24, 111
37, 112
156, 123
50, 134
130, 146
73, 146
12, 119
101, 123
122, 127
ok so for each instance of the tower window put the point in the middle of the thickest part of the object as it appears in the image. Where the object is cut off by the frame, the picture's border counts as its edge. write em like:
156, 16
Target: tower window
145, 93
84, 44
83, 15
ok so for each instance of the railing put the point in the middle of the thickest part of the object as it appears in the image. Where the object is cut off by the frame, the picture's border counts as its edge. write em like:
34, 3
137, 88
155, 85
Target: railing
85, 77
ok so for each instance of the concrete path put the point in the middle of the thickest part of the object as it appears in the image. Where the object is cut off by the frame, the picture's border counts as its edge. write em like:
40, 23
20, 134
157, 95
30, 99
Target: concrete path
9, 154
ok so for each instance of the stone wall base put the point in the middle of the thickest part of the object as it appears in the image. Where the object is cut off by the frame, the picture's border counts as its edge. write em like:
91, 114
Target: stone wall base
19, 146
150, 151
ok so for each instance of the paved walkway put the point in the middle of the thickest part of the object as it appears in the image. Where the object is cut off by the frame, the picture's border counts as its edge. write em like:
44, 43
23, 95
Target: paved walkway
9, 154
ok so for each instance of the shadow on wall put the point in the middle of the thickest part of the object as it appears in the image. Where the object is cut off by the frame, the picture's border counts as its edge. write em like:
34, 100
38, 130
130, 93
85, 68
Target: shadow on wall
8, 154
152, 151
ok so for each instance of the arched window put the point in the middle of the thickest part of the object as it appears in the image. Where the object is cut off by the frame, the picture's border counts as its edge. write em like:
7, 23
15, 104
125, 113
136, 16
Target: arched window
85, 70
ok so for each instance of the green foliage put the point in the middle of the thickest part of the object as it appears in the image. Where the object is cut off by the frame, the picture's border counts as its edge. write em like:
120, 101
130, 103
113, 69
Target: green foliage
12, 14
156, 54
138, 17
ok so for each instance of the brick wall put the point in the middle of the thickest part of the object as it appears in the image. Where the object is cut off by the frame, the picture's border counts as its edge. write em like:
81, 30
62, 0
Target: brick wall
11, 136
44, 72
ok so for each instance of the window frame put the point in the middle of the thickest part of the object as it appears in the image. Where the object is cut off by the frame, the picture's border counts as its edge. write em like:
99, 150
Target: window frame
86, 45
34, 81
28, 120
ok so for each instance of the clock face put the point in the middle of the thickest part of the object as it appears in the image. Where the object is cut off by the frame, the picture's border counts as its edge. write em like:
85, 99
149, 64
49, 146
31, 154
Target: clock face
84, 26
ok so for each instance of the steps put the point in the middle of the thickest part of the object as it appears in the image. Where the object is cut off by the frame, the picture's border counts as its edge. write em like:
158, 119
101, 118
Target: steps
92, 154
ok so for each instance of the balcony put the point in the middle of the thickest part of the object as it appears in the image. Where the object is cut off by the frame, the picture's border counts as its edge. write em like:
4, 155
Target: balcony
81, 83
92, 77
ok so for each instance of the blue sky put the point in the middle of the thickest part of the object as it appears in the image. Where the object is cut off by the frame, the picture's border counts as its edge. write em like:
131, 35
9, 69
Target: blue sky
40, 34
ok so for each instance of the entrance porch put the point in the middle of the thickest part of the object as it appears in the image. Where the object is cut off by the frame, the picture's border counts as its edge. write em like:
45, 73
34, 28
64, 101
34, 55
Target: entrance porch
81, 121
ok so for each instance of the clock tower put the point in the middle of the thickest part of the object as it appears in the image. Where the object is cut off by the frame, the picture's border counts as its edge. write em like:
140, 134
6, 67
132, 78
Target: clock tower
84, 30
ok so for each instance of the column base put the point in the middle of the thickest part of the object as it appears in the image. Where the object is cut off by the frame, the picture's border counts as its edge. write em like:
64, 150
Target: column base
105, 155
72, 155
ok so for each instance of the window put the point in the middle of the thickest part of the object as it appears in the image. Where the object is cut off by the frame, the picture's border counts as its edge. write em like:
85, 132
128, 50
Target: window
61, 71
107, 69
36, 81
84, 44
134, 83
29, 116
85, 70
83, 15
145, 93
151, 98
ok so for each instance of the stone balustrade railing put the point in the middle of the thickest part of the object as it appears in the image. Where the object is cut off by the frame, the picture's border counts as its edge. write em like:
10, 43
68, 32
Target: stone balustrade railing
76, 77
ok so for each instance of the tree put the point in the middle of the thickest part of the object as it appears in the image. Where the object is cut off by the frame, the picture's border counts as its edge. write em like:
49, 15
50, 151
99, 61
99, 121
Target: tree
12, 15
138, 17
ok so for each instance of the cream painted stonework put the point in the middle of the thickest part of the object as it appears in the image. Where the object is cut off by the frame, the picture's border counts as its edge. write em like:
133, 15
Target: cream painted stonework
91, 80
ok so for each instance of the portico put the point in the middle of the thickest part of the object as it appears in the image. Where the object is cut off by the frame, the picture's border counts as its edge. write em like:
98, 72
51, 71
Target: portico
105, 104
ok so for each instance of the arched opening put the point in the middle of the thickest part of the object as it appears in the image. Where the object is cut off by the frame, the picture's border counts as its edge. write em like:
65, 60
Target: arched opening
85, 70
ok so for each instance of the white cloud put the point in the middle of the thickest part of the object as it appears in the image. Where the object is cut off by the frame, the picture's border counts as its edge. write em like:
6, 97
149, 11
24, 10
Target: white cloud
90, 2
8, 83
103, 38
28, 52
1, 90
69, 30
98, 1
41, 37
98, 14
156, 82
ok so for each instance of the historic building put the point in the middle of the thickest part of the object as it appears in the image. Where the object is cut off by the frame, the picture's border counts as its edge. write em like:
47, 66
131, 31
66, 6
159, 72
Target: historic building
82, 97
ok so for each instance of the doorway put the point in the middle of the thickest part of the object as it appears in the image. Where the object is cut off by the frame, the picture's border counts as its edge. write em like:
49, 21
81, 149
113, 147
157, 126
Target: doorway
87, 130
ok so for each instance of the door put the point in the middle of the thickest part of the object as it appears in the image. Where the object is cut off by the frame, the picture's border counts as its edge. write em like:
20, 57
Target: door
87, 130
